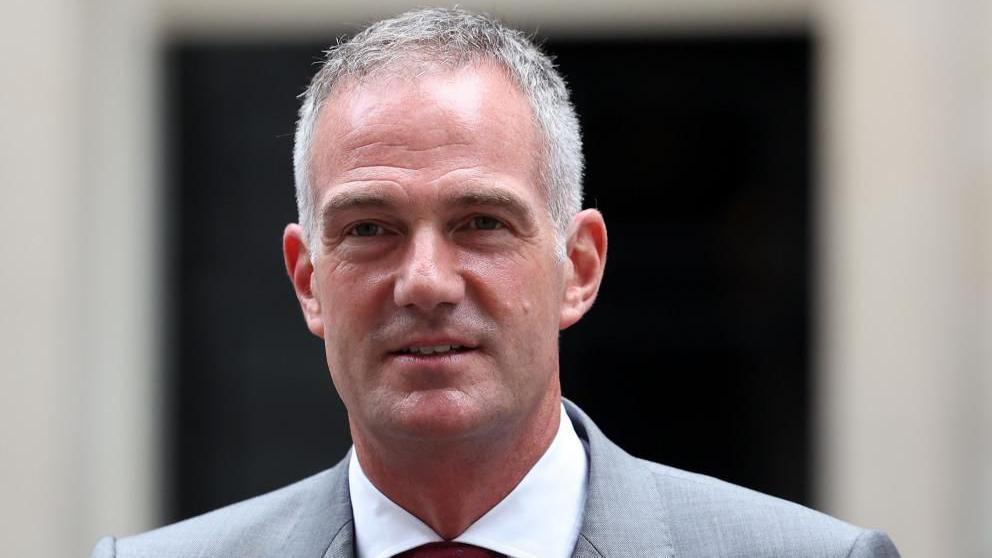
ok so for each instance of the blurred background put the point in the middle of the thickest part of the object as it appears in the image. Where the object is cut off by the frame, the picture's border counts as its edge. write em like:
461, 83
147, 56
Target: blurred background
798, 297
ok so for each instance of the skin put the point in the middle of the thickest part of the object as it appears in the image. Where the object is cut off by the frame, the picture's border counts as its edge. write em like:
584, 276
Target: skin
434, 231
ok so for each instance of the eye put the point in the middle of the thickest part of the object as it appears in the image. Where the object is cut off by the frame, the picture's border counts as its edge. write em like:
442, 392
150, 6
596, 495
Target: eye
484, 223
366, 229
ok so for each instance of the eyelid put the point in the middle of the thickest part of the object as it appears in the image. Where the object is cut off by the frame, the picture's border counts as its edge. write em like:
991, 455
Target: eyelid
468, 222
349, 230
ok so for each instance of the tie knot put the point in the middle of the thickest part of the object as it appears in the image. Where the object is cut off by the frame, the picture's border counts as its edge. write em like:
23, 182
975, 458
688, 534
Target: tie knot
448, 550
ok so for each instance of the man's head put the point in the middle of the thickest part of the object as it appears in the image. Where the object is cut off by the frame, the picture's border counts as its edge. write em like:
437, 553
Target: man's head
427, 39
433, 268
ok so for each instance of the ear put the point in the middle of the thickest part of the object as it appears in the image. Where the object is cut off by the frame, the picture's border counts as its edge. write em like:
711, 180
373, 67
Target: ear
586, 249
300, 269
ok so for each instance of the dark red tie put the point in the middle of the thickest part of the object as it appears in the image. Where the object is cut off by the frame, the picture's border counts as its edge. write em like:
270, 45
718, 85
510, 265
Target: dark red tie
448, 550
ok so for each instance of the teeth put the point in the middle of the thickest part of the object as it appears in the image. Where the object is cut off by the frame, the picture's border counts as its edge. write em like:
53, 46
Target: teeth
432, 350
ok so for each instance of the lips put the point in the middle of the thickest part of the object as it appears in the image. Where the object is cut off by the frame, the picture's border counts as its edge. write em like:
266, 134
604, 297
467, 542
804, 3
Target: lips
431, 350
433, 347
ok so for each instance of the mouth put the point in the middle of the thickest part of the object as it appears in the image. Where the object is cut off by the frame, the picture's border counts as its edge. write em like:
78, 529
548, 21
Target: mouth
433, 363
431, 350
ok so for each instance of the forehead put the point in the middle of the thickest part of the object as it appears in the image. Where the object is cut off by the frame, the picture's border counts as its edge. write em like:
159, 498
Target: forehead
473, 116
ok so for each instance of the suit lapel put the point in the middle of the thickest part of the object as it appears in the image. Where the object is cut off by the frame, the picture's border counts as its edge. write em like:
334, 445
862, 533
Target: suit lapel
343, 543
323, 524
339, 524
585, 549
623, 514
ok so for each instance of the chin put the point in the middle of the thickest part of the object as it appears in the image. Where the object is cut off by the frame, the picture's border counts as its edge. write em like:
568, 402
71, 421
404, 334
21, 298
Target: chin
444, 415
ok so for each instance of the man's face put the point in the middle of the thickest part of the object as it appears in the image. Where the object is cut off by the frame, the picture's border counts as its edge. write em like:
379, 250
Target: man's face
434, 286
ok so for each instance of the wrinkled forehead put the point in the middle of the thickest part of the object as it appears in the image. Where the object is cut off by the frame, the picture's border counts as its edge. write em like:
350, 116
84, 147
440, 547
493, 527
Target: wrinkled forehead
434, 106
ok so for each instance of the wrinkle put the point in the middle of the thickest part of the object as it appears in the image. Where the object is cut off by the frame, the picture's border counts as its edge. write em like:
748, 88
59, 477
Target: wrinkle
407, 147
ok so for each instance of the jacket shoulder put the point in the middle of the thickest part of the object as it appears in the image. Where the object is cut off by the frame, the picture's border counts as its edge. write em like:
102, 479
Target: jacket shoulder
716, 518
301, 518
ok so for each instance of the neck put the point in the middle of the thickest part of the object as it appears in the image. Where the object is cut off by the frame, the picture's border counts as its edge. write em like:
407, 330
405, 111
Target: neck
450, 485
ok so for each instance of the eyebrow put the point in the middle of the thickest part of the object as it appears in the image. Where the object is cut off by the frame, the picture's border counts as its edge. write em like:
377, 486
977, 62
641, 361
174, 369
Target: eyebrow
465, 197
494, 197
353, 200
357, 200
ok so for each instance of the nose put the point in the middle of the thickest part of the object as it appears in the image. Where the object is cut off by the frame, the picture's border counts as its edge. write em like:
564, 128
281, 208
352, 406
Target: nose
428, 276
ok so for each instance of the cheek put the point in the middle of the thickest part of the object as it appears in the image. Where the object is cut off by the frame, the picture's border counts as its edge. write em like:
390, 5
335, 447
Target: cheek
344, 287
351, 305
521, 296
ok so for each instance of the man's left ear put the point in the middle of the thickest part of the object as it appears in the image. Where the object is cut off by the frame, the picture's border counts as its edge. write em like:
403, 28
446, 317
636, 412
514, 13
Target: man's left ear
586, 260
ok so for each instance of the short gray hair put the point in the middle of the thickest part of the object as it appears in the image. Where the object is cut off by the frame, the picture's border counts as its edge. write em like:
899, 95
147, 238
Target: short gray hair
454, 38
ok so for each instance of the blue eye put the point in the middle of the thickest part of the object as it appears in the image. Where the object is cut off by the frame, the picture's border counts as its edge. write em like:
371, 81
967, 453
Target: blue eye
366, 229
485, 223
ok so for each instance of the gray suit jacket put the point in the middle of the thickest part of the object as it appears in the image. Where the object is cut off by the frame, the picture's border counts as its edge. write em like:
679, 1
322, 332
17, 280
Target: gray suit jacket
634, 508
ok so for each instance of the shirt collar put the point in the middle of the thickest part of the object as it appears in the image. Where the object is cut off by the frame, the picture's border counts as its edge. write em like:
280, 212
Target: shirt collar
539, 518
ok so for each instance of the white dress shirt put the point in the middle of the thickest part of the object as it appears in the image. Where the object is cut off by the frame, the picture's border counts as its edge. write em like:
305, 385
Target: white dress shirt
539, 518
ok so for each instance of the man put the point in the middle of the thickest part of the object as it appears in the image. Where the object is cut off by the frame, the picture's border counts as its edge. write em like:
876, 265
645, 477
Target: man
441, 249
